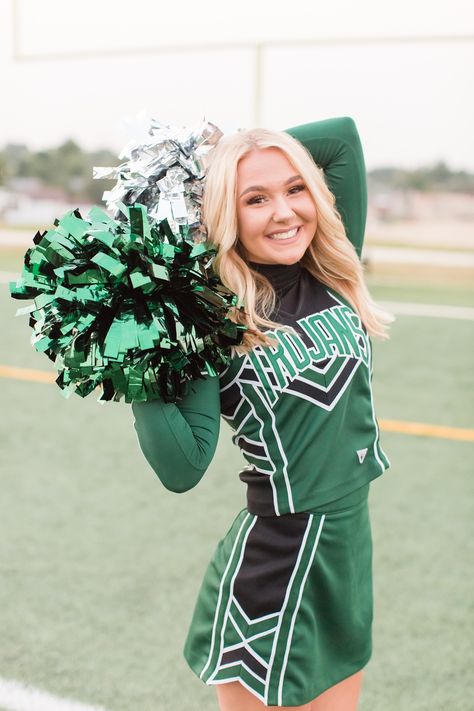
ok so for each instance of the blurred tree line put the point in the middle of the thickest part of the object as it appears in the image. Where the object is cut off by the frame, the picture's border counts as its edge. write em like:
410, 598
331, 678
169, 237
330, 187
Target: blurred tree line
69, 168
435, 178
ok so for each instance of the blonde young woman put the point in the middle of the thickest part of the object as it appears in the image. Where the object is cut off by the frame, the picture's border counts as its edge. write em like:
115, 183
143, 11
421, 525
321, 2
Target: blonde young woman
284, 614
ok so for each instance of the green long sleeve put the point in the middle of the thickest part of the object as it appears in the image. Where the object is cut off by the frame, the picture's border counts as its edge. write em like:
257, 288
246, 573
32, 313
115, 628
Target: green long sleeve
336, 147
179, 440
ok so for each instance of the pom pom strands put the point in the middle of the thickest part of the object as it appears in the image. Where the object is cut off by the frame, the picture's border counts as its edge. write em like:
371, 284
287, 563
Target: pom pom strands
130, 304
116, 305
165, 173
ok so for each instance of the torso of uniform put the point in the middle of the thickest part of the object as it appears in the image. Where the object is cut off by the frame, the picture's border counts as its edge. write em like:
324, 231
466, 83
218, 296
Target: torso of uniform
302, 410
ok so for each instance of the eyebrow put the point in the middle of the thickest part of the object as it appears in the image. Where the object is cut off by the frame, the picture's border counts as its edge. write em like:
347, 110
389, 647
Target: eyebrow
262, 187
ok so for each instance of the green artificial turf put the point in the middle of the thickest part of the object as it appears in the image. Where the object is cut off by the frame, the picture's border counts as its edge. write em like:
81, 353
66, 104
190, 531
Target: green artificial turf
101, 565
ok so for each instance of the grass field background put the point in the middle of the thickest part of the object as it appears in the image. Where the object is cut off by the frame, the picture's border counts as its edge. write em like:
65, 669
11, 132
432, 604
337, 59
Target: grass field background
100, 565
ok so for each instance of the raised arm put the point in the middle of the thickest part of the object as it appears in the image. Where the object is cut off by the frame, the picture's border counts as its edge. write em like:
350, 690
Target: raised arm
335, 146
179, 441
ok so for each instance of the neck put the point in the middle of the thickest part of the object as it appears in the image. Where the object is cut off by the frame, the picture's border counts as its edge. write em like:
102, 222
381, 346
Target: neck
281, 276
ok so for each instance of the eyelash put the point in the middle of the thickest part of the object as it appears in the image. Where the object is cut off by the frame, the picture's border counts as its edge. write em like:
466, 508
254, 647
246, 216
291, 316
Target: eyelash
297, 188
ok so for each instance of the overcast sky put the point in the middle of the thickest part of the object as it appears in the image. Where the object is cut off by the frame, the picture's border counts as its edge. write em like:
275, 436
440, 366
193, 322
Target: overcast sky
413, 102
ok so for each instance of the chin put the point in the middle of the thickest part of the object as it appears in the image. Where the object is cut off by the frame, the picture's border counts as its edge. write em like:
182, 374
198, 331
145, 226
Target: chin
288, 258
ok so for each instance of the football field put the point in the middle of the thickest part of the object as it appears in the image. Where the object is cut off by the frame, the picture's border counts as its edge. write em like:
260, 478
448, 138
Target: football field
100, 565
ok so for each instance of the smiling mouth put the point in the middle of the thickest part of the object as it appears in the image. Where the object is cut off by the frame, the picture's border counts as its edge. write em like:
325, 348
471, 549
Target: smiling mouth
282, 236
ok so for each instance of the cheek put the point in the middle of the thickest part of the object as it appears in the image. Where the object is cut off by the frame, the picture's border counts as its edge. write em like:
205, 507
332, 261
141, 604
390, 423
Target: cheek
250, 223
310, 211
311, 217
242, 219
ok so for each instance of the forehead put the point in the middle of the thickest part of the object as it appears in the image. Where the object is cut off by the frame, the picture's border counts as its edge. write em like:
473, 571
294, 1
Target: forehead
264, 166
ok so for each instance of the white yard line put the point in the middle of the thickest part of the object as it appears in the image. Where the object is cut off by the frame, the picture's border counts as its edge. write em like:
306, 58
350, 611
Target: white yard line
434, 257
15, 696
404, 308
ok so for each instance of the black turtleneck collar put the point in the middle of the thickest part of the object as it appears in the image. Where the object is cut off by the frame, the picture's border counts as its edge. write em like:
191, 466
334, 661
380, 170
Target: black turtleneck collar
281, 276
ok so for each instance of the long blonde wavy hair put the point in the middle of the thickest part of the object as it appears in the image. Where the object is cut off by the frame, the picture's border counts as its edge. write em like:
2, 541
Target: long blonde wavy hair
330, 257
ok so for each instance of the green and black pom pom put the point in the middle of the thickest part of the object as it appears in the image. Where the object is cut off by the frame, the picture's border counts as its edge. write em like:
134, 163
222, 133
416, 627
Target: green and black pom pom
127, 305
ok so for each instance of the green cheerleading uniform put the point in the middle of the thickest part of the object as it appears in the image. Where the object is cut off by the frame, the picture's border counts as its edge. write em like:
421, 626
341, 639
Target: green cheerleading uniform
285, 606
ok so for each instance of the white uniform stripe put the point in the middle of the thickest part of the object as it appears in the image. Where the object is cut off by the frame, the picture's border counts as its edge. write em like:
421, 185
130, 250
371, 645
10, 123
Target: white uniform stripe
243, 645
243, 664
295, 611
262, 425
374, 419
242, 681
231, 592
281, 449
233, 415
254, 620
238, 645
15, 696
285, 601
333, 402
236, 376
237, 431
219, 599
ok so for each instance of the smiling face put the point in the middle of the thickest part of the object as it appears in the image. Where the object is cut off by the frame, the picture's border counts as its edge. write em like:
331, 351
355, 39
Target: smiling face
275, 211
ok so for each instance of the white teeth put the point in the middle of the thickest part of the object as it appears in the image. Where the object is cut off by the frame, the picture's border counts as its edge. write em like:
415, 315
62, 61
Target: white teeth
285, 235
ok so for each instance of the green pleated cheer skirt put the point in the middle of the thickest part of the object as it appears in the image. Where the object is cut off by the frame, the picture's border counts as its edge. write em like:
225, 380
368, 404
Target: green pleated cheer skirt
285, 606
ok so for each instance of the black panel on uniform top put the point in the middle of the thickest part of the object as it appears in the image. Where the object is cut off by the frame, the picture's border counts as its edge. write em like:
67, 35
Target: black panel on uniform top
285, 279
298, 292
281, 276
325, 397
251, 447
259, 491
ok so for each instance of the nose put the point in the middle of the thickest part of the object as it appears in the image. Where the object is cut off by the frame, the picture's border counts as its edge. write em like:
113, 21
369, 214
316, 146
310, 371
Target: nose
282, 210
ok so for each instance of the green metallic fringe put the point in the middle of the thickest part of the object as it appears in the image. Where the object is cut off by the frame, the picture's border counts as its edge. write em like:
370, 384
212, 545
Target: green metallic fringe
126, 305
